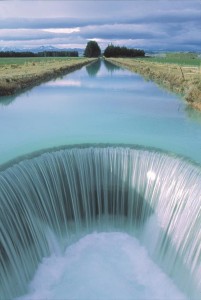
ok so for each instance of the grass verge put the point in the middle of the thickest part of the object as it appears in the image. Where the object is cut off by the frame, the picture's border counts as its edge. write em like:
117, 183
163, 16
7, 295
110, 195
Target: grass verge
21, 74
183, 80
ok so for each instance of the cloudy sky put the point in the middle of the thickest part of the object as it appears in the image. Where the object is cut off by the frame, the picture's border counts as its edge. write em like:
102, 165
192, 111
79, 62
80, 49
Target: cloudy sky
145, 24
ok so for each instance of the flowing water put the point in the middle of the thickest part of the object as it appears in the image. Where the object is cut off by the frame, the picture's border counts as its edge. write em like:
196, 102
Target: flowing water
98, 104
102, 196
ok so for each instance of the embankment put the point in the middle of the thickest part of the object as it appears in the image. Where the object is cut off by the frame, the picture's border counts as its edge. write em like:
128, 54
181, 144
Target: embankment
184, 80
17, 77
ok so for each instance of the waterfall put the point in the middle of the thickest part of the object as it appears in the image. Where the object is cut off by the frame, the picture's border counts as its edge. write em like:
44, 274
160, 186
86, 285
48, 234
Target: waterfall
70, 190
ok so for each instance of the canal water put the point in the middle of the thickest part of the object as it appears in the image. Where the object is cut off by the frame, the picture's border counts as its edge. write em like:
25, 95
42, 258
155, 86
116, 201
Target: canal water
100, 103
108, 204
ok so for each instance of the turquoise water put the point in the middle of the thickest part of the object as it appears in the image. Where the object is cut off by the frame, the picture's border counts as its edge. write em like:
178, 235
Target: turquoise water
100, 222
100, 103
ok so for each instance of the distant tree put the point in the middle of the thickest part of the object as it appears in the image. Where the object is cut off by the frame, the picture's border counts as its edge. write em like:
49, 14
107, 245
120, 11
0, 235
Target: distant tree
92, 49
116, 51
40, 54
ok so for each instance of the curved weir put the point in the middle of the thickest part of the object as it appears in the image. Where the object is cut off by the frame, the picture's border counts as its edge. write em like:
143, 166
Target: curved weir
72, 192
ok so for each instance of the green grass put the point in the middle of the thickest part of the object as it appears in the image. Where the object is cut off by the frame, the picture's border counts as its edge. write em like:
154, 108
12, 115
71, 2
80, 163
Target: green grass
23, 60
186, 59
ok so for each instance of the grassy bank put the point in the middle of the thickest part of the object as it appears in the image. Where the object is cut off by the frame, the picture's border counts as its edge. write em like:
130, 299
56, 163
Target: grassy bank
17, 74
182, 79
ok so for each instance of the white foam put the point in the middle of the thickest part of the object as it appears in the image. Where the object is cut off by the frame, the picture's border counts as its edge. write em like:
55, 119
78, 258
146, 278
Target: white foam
102, 266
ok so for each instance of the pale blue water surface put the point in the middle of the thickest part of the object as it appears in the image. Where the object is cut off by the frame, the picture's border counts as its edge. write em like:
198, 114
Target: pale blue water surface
100, 103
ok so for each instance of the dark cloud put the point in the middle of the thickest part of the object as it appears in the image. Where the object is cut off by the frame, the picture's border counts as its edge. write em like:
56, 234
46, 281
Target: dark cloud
170, 17
21, 36
38, 23
119, 34
148, 23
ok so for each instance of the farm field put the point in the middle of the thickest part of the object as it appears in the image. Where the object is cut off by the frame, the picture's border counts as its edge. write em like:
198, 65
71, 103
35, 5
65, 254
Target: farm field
26, 60
184, 59
17, 74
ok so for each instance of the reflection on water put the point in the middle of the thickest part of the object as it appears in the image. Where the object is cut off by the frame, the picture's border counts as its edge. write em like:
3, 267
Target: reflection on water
93, 68
64, 82
110, 67
193, 114
5, 101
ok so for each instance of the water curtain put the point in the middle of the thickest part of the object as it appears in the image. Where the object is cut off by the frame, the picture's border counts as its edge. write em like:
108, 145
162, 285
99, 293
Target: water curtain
67, 191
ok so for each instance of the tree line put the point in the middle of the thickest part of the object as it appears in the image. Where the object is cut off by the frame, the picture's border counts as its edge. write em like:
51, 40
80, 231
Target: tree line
93, 50
39, 54
116, 51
